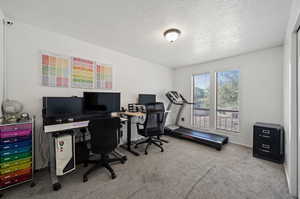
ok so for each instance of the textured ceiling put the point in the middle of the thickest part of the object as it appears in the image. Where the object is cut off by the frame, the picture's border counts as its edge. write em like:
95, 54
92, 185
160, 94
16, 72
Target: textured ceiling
211, 29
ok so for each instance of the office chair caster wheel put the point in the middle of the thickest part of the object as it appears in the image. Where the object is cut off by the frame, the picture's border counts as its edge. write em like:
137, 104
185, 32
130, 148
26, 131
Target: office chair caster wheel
32, 184
56, 186
146, 153
161, 150
113, 176
85, 179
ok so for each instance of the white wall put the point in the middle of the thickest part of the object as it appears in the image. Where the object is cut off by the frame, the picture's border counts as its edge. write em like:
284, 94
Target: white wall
260, 88
1, 59
289, 92
130, 75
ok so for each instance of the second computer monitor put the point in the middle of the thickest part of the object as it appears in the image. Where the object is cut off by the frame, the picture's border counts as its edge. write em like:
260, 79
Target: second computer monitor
61, 107
146, 99
101, 102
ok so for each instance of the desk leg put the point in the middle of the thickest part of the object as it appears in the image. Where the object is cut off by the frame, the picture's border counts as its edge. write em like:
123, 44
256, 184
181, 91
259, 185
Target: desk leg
54, 180
127, 146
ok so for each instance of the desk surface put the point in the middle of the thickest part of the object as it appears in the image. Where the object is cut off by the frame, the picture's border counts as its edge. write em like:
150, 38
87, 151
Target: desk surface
137, 114
69, 125
134, 114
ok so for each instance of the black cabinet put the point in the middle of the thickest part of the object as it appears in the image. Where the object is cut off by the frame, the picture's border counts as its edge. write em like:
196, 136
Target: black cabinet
268, 142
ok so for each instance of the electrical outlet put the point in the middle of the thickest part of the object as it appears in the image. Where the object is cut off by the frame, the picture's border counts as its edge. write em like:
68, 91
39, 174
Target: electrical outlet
182, 119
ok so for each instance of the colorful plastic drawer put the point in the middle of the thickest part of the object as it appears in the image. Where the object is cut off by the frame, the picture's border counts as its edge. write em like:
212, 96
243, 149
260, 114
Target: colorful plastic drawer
15, 162
15, 150
15, 168
11, 175
15, 180
15, 145
15, 133
16, 127
15, 157
14, 139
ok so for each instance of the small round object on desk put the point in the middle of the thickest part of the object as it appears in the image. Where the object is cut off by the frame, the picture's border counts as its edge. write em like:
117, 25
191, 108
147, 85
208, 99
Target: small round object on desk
58, 121
25, 116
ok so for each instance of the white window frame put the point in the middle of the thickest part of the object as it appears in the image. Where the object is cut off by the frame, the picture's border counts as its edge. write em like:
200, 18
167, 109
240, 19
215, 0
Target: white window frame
210, 99
216, 101
213, 101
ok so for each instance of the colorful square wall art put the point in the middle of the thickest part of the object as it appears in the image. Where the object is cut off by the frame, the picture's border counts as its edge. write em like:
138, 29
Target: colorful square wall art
55, 70
82, 73
103, 76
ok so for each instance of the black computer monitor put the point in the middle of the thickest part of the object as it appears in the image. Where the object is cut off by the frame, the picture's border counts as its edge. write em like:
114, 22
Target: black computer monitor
146, 99
105, 102
62, 107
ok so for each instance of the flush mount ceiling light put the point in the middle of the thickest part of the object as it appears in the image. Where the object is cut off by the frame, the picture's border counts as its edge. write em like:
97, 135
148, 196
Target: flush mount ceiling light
172, 35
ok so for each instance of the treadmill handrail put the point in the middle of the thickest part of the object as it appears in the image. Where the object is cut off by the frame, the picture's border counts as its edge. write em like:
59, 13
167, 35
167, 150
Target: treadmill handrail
177, 103
185, 101
181, 103
190, 102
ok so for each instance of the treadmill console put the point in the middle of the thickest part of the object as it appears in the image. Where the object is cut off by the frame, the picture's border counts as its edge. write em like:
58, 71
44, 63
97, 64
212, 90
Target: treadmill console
174, 97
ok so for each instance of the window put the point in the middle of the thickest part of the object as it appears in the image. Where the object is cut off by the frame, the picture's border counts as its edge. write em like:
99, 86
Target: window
216, 103
201, 108
227, 109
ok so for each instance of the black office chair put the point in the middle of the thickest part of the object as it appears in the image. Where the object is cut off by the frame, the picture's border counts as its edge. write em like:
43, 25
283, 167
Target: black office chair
153, 127
104, 139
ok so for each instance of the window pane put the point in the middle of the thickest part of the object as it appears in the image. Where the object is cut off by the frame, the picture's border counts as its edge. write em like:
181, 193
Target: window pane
201, 118
201, 90
228, 100
201, 100
228, 90
229, 121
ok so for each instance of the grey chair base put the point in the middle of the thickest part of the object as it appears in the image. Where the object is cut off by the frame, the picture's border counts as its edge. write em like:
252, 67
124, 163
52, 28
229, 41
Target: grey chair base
159, 138
151, 140
102, 162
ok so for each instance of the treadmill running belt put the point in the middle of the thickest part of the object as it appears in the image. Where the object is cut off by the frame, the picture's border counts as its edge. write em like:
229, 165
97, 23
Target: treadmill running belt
202, 135
210, 139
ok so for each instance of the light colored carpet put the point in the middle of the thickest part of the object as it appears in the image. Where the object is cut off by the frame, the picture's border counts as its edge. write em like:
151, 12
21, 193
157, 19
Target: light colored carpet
186, 170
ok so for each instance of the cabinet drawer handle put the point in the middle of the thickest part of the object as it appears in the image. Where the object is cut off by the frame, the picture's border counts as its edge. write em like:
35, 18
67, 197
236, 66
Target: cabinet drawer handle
266, 131
266, 151
264, 136
266, 146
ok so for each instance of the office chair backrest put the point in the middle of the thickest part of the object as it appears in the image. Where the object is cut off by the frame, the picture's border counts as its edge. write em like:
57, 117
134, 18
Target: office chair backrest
154, 117
104, 135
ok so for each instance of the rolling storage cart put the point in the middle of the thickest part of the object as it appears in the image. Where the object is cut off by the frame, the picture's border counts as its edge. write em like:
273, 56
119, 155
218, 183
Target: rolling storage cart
16, 154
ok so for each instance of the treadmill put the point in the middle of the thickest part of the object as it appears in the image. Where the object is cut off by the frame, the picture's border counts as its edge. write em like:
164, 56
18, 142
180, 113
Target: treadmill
210, 139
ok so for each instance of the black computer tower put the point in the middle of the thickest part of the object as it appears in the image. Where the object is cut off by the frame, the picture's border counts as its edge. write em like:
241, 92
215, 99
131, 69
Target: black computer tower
268, 142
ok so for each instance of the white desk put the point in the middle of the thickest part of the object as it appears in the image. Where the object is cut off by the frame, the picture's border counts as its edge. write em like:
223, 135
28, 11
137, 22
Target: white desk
68, 126
65, 126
